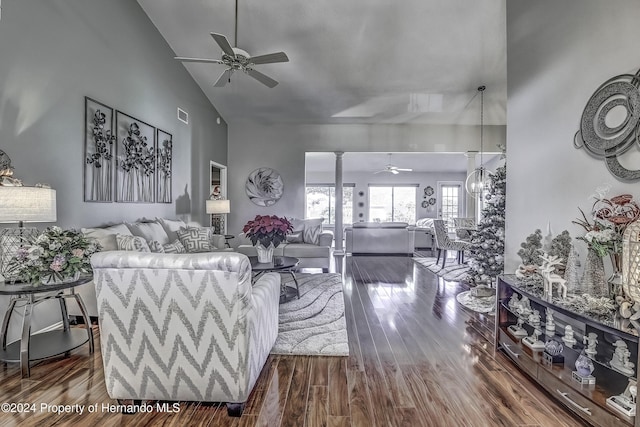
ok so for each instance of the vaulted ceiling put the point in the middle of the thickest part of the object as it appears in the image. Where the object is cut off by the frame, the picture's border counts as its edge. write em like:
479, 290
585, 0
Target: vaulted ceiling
355, 61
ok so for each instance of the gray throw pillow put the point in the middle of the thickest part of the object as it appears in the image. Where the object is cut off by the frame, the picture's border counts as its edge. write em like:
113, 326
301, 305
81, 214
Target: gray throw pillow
295, 237
132, 243
174, 248
195, 239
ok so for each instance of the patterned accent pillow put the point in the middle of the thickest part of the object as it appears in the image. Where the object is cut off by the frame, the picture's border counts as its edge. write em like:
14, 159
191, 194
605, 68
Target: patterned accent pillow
295, 237
156, 246
174, 248
312, 230
132, 243
195, 239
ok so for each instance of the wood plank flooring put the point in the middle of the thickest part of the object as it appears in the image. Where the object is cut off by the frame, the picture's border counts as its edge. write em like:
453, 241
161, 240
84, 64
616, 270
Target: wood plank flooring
417, 358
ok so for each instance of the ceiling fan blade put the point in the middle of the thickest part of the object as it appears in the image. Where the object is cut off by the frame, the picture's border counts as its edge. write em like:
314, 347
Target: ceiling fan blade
209, 61
262, 78
394, 171
224, 78
404, 170
224, 44
269, 58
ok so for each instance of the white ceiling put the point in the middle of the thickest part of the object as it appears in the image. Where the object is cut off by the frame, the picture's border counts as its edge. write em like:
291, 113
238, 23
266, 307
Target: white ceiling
373, 162
351, 61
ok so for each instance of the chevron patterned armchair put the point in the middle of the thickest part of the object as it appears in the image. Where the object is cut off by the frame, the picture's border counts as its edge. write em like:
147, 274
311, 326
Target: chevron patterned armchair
188, 327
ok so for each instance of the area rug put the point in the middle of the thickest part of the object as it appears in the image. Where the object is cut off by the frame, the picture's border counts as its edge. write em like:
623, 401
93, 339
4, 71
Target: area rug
452, 271
480, 305
314, 324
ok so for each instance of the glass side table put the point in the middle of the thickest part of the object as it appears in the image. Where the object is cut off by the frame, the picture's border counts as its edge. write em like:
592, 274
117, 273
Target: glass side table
47, 344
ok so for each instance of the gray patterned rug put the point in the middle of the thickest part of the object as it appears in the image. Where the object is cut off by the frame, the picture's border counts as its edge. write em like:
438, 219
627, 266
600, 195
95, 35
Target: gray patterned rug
314, 324
452, 271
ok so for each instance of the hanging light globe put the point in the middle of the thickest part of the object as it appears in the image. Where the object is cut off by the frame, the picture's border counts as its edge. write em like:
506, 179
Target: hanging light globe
478, 182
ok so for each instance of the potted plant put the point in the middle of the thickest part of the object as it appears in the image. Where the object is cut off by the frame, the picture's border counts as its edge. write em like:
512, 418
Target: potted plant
267, 232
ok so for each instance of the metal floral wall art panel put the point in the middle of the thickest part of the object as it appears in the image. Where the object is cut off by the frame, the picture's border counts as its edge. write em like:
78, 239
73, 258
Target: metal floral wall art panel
264, 186
135, 160
164, 156
99, 146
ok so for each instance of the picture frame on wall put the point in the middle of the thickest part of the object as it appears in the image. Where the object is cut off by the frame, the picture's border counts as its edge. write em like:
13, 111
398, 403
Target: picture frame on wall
135, 160
164, 157
99, 146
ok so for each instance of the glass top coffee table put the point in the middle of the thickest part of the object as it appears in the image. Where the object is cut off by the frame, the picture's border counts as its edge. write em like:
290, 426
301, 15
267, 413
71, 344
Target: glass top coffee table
284, 264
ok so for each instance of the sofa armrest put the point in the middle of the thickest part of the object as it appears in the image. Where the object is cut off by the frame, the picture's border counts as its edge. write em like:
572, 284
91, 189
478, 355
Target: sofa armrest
325, 238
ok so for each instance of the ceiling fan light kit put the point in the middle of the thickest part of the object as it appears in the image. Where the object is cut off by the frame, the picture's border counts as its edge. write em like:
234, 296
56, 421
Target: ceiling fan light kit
236, 59
479, 180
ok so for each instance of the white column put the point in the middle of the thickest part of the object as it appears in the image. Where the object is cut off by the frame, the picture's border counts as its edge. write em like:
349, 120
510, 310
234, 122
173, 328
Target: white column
471, 205
338, 208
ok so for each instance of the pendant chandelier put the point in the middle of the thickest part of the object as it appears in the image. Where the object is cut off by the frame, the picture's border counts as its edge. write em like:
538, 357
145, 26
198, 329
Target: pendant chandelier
479, 180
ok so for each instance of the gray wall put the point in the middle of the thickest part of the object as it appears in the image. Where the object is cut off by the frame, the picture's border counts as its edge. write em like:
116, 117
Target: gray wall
559, 53
283, 147
56, 52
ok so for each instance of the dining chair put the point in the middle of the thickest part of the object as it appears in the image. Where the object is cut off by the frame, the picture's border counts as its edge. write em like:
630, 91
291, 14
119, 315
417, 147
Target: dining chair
463, 227
444, 243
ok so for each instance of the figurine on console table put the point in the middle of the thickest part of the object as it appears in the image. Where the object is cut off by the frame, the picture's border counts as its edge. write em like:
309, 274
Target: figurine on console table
524, 309
550, 324
517, 330
620, 361
534, 318
533, 341
590, 341
568, 338
625, 402
514, 302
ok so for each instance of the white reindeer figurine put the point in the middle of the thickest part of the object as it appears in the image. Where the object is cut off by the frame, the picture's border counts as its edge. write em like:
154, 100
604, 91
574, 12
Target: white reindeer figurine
549, 263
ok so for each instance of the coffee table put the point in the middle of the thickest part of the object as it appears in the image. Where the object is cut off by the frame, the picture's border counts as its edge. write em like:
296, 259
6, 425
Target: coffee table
47, 344
284, 264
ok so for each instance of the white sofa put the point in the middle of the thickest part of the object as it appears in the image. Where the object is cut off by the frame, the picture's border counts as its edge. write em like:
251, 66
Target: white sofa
379, 238
161, 230
184, 327
308, 242
423, 233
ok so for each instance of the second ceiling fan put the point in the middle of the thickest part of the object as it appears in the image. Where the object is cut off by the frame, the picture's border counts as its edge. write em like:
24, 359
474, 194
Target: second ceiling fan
236, 59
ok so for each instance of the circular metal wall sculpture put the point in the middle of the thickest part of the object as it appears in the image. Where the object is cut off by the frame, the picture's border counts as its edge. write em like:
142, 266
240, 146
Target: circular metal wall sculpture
606, 140
264, 186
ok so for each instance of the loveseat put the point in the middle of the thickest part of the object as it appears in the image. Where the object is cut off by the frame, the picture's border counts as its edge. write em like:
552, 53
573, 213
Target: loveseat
184, 327
159, 235
379, 238
308, 242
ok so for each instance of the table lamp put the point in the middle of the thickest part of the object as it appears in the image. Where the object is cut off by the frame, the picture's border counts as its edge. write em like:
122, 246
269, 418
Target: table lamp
218, 208
19, 205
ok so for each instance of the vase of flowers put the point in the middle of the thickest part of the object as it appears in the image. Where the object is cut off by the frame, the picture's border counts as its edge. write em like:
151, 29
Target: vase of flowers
266, 233
611, 216
54, 256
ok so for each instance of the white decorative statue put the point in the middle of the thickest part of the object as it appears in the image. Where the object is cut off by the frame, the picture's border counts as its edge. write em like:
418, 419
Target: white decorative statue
620, 361
590, 341
534, 318
550, 324
568, 338
549, 263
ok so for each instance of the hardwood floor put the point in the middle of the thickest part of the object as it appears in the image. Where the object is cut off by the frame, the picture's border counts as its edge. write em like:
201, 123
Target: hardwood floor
417, 358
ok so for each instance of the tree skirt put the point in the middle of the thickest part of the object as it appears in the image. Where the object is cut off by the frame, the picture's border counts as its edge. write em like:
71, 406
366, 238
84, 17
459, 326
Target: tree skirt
314, 324
452, 271
480, 305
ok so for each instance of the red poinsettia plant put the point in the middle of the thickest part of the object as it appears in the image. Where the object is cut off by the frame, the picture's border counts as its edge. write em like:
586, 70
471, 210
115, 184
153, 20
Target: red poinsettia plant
267, 229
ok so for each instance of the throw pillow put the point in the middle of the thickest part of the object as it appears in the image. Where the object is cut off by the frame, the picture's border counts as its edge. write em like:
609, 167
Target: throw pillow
171, 227
312, 230
156, 247
106, 236
195, 239
174, 248
132, 243
294, 237
149, 231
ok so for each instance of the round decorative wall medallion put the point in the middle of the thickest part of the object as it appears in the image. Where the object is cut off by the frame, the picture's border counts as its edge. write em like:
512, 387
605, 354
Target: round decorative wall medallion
264, 186
428, 190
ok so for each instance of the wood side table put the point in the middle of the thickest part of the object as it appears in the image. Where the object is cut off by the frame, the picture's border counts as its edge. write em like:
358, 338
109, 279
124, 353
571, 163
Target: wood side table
47, 344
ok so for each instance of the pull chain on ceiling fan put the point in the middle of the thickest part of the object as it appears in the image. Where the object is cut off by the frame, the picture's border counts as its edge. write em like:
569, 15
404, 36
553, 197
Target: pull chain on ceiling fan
236, 59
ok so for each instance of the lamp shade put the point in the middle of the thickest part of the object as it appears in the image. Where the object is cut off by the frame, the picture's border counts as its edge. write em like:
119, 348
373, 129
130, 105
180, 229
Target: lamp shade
27, 204
218, 206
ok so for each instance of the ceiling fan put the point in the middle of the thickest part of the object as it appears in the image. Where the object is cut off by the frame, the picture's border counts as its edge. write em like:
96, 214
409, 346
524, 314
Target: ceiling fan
390, 168
236, 59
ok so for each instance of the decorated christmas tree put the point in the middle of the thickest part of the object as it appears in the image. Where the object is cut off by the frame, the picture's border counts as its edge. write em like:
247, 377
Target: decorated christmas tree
487, 244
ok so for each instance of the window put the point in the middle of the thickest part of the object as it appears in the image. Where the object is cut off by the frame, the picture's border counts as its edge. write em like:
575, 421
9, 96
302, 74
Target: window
451, 201
321, 201
392, 203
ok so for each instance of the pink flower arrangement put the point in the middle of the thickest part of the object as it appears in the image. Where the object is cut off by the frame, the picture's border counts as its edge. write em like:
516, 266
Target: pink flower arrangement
267, 229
